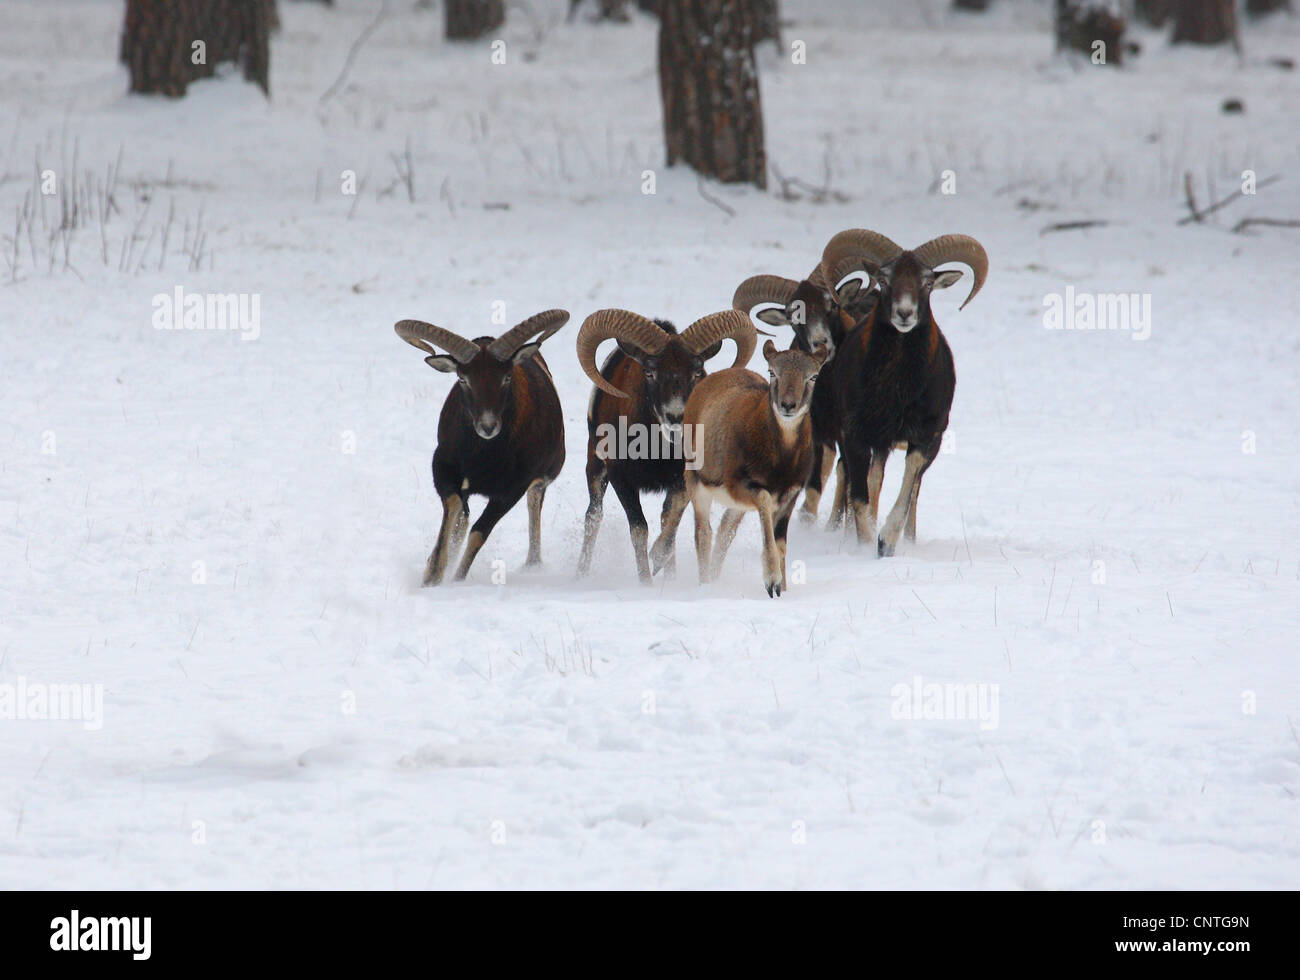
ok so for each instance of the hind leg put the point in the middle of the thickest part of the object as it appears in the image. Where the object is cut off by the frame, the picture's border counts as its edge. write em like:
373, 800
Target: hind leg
727, 527
703, 503
822, 463
836, 521
857, 465
663, 556
597, 481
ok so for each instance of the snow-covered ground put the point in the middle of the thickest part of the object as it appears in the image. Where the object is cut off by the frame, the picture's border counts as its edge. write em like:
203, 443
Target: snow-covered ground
227, 534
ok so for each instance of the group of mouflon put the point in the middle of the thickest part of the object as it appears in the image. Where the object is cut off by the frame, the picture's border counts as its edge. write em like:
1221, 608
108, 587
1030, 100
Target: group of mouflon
868, 371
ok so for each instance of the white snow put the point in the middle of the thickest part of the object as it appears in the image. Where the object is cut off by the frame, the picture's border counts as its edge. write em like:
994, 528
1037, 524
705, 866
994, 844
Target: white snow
1100, 543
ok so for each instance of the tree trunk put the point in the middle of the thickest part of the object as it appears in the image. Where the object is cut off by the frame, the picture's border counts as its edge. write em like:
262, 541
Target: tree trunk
615, 10
471, 19
156, 45
158, 41
713, 118
1205, 21
976, 5
767, 21
1080, 25
1153, 12
236, 30
1257, 8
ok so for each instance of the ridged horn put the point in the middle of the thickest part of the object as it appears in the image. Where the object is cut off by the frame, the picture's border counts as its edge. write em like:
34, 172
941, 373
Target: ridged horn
856, 250
635, 329
505, 346
725, 325
763, 289
428, 338
956, 248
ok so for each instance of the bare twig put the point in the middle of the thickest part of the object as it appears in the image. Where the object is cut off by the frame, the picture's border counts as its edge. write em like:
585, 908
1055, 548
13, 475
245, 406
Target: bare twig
730, 211
352, 52
819, 194
1191, 199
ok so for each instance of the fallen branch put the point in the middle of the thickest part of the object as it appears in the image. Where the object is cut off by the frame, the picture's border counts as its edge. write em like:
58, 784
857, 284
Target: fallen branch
1245, 223
1073, 225
1200, 215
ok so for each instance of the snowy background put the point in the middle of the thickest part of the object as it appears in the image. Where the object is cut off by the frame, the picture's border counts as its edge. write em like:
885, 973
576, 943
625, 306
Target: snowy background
1100, 542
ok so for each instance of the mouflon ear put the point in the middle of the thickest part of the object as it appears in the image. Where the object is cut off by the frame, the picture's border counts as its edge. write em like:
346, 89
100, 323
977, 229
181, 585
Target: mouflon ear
773, 317
942, 280
769, 351
442, 362
848, 291
527, 351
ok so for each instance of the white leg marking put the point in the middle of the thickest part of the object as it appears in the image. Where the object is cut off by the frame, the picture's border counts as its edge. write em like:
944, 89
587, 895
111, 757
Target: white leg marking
437, 564
702, 500
771, 557
536, 494
894, 523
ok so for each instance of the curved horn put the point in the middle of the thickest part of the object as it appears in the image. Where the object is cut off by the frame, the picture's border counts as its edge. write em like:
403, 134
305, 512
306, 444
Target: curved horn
853, 250
726, 325
423, 335
633, 328
505, 346
763, 289
956, 248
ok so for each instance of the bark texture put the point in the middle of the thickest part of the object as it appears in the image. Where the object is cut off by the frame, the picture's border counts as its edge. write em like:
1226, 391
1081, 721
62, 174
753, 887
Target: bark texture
1205, 21
468, 20
713, 117
158, 42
